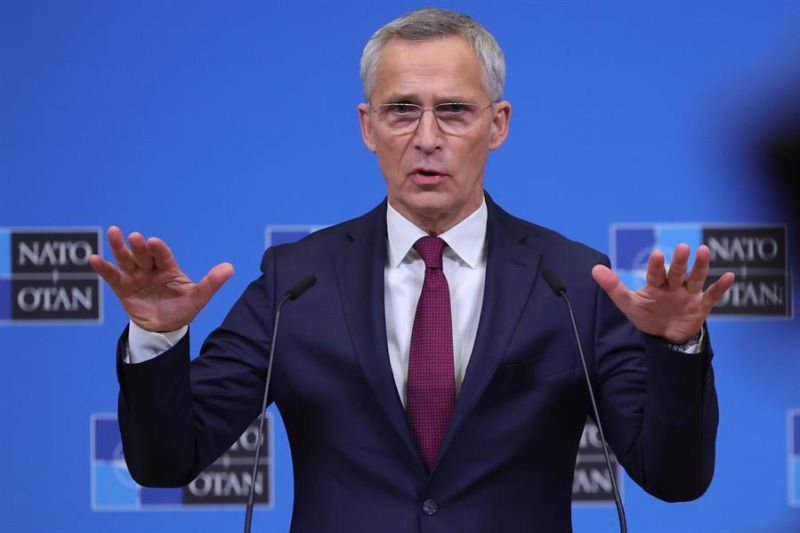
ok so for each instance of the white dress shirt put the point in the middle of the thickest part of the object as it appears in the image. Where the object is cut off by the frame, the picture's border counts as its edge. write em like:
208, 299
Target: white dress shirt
464, 265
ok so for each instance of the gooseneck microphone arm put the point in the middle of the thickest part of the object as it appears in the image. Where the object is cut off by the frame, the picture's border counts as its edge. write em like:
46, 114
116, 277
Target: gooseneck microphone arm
559, 290
292, 294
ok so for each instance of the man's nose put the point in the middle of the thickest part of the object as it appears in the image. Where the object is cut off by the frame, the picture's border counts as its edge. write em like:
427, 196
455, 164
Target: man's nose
428, 135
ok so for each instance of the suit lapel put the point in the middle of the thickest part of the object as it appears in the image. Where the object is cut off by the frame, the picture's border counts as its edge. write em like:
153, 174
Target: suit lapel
511, 271
360, 273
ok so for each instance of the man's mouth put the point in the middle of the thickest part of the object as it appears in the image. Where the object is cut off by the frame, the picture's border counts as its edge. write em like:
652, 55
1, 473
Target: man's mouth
427, 176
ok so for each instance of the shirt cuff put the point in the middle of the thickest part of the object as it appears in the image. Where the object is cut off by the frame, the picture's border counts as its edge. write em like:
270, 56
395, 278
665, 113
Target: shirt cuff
144, 345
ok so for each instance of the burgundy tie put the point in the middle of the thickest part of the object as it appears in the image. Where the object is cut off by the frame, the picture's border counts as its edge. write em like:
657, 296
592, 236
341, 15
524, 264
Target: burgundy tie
431, 389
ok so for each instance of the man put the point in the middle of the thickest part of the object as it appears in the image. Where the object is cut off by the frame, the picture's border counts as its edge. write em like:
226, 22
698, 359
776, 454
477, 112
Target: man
430, 381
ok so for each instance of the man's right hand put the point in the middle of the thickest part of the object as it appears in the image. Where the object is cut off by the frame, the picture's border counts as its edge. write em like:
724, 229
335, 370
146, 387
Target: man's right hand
154, 291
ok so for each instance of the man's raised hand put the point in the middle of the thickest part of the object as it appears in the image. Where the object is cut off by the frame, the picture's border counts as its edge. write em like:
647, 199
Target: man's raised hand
154, 291
670, 305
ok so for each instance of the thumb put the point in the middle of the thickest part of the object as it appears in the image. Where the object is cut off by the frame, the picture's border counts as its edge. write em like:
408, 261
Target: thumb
211, 283
608, 280
605, 277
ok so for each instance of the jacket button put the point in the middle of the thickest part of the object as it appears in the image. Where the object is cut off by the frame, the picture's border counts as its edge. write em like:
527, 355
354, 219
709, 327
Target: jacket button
429, 507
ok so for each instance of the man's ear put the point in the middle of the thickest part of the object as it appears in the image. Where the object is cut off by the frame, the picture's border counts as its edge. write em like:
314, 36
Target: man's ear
364, 119
500, 117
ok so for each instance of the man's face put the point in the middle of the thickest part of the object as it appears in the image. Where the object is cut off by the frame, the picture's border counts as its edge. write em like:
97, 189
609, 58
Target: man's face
435, 179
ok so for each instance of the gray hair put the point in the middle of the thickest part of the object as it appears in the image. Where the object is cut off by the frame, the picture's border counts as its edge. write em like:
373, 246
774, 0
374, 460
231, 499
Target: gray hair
433, 23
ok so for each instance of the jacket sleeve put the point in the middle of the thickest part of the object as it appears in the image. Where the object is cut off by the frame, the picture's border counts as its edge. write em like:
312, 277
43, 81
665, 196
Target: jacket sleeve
178, 415
658, 406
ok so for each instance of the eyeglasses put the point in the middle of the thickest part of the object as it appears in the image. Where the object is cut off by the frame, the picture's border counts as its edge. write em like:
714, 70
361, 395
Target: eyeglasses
455, 118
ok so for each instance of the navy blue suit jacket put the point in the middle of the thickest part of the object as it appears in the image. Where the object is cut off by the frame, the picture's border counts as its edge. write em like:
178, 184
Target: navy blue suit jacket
507, 461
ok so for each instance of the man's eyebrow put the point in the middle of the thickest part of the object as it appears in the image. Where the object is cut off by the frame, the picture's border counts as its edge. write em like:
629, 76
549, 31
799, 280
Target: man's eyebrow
410, 98
398, 98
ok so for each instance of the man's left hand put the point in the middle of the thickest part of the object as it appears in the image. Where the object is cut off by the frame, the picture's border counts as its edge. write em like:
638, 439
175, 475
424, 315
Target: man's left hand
670, 305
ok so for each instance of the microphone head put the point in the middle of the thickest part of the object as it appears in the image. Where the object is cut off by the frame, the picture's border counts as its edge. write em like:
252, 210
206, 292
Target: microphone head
301, 286
554, 282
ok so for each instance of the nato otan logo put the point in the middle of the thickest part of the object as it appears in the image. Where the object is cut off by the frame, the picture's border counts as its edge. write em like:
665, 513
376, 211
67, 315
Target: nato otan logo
591, 482
45, 276
756, 254
223, 484
283, 234
794, 458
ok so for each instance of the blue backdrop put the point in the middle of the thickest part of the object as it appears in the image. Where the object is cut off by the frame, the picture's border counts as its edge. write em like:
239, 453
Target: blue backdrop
205, 122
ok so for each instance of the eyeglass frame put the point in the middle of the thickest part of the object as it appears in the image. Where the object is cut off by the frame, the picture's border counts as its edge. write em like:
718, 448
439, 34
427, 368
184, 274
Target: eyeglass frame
423, 109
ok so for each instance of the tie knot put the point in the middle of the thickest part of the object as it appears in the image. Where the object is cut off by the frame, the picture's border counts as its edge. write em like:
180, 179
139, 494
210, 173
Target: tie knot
430, 249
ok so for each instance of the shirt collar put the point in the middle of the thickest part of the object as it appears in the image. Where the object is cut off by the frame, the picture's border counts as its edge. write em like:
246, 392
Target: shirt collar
467, 239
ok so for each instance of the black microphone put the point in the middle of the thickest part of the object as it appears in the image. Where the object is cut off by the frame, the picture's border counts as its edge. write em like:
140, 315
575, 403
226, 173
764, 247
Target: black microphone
297, 290
559, 290
294, 292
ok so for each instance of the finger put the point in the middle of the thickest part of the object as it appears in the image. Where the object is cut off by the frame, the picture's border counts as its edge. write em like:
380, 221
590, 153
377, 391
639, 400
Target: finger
106, 270
211, 283
139, 251
161, 254
677, 268
696, 279
717, 290
613, 286
120, 250
656, 274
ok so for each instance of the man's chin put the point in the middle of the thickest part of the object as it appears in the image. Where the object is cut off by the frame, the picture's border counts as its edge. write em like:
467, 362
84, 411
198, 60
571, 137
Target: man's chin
429, 210
431, 200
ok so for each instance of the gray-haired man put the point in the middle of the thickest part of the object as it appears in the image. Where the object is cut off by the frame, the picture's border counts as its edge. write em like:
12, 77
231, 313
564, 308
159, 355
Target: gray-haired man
430, 381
